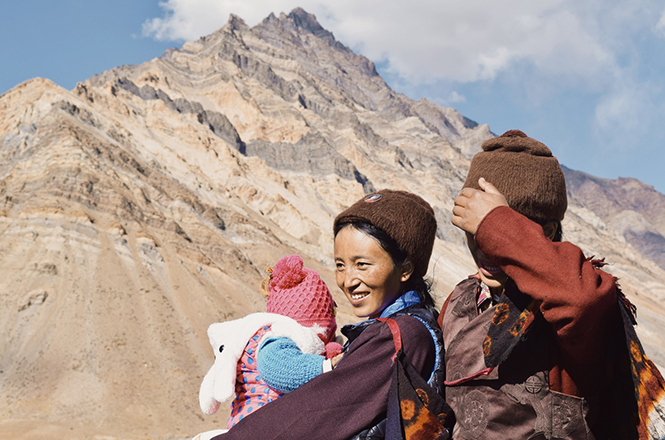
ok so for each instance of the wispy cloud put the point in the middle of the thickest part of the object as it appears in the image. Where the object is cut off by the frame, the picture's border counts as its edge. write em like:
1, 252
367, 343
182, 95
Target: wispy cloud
455, 98
621, 114
660, 26
423, 40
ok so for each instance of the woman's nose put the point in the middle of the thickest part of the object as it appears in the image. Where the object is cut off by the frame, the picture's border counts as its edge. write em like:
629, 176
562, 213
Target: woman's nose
351, 280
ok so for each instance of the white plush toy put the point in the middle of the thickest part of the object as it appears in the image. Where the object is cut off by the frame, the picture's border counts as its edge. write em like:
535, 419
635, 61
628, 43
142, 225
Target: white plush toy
228, 340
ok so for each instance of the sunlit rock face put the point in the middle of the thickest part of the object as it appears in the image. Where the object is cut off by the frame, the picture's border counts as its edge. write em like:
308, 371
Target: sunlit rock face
632, 208
148, 202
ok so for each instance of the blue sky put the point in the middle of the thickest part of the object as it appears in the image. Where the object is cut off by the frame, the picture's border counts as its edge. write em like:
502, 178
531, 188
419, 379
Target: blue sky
586, 78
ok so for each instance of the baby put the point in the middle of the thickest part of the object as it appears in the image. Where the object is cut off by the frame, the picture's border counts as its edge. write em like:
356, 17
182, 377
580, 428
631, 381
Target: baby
264, 355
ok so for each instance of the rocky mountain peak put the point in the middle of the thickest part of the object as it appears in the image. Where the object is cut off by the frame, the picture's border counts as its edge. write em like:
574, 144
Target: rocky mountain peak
148, 202
235, 23
308, 22
636, 210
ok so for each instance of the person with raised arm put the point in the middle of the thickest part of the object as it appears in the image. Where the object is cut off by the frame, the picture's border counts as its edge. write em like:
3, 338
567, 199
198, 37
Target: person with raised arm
536, 341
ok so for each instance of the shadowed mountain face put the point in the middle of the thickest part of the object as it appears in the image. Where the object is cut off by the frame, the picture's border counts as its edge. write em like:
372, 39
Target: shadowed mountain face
147, 203
634, 209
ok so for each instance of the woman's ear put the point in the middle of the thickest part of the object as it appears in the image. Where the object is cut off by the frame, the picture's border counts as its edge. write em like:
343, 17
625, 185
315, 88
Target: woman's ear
550, 229
407, 271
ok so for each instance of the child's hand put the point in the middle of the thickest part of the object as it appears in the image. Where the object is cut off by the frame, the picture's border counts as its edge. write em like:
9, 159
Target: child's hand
336, 359
472, 205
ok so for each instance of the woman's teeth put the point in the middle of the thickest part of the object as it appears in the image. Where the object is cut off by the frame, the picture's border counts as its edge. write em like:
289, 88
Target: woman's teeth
359, 295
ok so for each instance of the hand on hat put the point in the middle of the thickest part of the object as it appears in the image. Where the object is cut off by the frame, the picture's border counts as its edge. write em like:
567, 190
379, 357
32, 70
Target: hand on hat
472, 205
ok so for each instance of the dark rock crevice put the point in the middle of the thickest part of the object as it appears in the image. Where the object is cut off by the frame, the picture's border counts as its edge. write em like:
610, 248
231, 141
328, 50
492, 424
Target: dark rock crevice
215, 121
312, 154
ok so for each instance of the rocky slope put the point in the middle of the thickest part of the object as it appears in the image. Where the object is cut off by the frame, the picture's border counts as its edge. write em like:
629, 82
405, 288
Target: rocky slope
632, 208
146, 204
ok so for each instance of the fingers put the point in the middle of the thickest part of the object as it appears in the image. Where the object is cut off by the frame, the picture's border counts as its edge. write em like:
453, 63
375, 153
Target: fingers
462, 222
472, 205
467, 192
335, 360
464, 196
487, 187
460, 201
493, 193
457, 221
459, 217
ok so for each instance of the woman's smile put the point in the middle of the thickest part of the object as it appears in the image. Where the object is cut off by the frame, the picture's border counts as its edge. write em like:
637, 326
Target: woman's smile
359, 296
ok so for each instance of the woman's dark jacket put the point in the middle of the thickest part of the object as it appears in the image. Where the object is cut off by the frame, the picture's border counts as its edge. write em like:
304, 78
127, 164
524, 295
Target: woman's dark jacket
352, 397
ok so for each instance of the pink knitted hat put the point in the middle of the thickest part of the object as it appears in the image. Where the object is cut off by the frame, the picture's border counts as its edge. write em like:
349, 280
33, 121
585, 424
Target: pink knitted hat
300, 294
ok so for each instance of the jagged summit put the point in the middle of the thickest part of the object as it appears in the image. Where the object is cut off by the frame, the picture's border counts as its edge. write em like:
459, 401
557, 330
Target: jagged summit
308, 22
147, 203
235, 23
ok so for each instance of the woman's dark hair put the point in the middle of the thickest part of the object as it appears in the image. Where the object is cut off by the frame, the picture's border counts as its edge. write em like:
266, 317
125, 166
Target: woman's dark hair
399, 257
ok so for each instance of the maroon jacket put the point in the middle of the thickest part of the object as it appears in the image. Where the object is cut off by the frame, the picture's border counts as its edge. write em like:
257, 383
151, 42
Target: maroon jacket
578, 301
346, 400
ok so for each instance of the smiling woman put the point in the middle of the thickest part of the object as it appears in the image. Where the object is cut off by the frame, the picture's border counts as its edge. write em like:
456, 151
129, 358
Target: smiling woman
366, 273
383, 244
374, 267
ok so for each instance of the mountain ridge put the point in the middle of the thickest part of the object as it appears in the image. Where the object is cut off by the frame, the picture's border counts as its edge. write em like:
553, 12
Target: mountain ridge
147, 203
636, 210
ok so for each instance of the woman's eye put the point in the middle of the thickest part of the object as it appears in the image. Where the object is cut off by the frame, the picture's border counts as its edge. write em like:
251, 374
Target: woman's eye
339, 266
362, 264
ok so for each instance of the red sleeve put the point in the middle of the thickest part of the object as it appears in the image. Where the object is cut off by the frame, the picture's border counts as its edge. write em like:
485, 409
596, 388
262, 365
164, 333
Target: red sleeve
576, 296
346, 400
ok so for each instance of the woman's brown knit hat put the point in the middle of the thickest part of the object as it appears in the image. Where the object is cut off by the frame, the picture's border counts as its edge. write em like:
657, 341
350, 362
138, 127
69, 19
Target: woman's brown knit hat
404, 216
525, 172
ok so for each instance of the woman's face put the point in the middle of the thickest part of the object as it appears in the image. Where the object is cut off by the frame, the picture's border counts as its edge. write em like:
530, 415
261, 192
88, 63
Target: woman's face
366, 273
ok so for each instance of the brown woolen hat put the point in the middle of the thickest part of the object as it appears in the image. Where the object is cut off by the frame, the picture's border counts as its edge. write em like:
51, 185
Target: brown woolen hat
404, 216
525, 172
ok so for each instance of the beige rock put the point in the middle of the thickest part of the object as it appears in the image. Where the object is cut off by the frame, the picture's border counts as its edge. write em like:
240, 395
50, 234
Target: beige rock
147, 203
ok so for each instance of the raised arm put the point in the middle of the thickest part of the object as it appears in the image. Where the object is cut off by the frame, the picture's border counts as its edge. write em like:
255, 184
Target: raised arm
576, 296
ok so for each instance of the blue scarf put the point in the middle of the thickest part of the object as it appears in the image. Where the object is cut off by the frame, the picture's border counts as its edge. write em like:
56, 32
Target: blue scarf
352, 331
408, 299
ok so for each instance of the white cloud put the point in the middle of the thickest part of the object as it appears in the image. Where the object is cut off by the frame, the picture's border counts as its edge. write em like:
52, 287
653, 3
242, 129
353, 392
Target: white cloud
620, 110
660, 26
191, 19
187, 19
628, 117
422, 40
455, 98
559, 43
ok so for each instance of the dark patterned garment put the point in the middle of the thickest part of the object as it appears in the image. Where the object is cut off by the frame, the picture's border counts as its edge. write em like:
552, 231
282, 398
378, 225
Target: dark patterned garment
513, 401
548, 359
